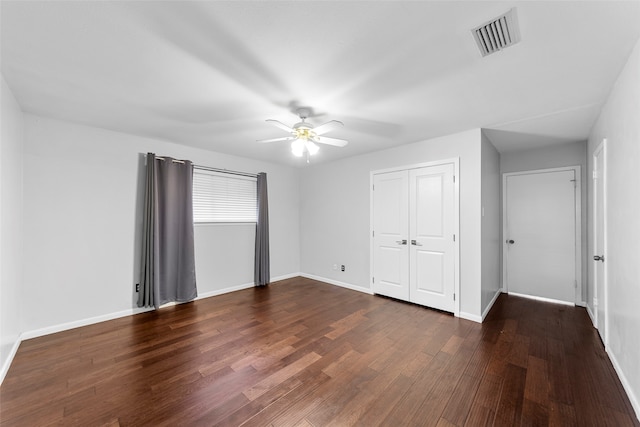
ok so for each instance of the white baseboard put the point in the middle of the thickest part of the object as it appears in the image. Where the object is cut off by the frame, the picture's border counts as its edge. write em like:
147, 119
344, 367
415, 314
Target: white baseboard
7, 362
285, 277
83, 322
554, 301
493, 301
244, 286
224, 291
338, 283
625, 383
592, 316
475, 317
469, 316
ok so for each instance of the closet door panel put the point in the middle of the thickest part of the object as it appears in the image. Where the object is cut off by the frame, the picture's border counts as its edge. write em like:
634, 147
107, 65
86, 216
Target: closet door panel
430, 268
431, 216
390, 225
428, 215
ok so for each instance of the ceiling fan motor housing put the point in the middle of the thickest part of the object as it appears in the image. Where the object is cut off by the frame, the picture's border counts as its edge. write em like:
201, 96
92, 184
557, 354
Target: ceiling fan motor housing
303, 125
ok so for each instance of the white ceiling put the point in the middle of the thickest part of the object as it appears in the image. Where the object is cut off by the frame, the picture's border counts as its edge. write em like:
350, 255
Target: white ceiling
208, 74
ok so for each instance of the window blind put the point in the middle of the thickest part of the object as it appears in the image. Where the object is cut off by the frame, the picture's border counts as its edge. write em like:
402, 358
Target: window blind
220, 197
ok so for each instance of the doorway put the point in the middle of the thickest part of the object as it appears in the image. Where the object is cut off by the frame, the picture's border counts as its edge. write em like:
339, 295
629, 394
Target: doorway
542, 234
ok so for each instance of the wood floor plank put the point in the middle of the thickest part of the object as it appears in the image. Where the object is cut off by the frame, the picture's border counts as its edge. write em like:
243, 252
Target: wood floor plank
480, 416
485, 403
412, 400
355, 409
291, 407
255, 406
444, 390
378, 410
534, 414
559, 378
561, 415
304, 353
279, 376
536, 387
509, 411
519, 354
459, 404
331, 406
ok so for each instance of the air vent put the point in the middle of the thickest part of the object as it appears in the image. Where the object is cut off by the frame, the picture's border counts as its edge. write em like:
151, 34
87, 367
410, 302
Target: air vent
497, 34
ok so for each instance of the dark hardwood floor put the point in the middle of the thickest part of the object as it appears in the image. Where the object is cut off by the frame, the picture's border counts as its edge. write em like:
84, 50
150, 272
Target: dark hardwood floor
305, 353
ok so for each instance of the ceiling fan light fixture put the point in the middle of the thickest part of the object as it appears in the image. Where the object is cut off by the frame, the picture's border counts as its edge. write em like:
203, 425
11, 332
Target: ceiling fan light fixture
311, 147
297, 147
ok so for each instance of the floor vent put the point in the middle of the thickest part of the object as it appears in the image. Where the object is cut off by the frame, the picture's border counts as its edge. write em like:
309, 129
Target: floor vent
497, 34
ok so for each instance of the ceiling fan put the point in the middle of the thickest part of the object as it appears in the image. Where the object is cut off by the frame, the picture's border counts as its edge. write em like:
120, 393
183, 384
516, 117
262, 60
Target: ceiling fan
304, 135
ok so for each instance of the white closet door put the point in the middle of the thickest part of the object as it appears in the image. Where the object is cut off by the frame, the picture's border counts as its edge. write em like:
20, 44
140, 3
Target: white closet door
390, 224
432, 246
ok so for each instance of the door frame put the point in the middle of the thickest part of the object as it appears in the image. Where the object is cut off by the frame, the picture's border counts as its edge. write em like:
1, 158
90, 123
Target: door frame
578, 228
456, 220
600, 149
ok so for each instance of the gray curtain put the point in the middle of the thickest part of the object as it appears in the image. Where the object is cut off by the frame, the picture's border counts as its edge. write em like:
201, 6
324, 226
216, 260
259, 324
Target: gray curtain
261, 268
168, 271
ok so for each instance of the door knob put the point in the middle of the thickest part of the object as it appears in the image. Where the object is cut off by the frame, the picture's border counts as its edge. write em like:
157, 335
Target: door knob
401, 242
511, 242
598, 258
415, 243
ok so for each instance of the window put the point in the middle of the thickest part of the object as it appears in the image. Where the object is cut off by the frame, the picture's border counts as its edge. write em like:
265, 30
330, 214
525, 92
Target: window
223, 197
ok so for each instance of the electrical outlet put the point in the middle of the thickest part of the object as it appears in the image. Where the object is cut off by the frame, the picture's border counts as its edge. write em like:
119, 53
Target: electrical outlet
342, 267
335, 267
137, 287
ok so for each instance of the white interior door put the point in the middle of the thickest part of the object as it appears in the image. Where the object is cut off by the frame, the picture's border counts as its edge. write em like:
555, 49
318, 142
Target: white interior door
599, 277
540, 234
390, 239
431, 235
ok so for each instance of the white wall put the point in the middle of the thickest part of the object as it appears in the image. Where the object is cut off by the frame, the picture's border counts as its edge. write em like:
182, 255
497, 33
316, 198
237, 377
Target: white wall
570, 154
83, 202
619, 122
334, 212
491, 225
553, 156
11, 279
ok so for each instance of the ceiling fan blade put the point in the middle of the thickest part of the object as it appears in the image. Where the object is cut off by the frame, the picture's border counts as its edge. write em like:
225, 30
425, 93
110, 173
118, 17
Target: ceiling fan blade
280, 125
284, 138
331, 141
326, 127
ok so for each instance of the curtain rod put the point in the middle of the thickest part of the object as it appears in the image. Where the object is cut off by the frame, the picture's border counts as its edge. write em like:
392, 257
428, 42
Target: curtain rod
230, 172
207, 168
